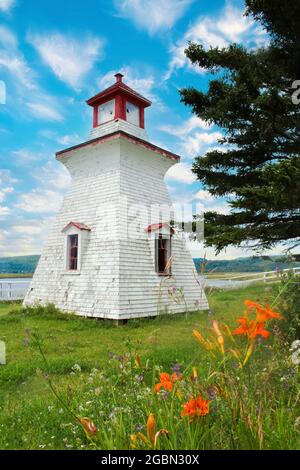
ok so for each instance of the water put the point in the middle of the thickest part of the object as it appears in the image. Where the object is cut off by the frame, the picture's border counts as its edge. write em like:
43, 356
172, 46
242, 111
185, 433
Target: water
14, 288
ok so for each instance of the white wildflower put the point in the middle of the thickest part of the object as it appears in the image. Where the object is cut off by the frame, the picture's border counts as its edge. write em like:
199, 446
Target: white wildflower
295, 348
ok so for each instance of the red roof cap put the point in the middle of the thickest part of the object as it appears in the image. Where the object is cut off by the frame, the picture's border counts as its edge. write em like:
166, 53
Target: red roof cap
77, 225
118, 88
154, 227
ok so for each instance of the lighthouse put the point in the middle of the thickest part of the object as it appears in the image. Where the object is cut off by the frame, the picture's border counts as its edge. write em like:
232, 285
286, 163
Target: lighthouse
113, 251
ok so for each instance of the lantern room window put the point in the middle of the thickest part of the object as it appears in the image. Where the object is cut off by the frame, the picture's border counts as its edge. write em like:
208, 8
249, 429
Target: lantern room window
106, 112
132, 113
163, 255
73, 252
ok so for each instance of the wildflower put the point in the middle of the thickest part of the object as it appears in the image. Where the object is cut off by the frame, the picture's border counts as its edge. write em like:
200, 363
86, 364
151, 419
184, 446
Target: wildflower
211, 392
295, 356
194, 375
176, 368
138, 361
195, 407
151, 428
167, 381
88, 427
251, 328
206, 344
263, 314
152, 436
249, 352
219, 335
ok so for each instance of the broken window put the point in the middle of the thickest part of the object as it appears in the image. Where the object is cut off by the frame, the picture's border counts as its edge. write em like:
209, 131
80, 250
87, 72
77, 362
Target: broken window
163, 255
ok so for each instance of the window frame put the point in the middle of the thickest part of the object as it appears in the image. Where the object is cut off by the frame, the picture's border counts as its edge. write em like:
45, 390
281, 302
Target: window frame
99, 113
138, 123
168, 254
70, 247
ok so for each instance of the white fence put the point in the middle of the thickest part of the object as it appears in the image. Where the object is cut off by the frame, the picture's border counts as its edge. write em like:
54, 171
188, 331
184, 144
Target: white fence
13, 289
243, 280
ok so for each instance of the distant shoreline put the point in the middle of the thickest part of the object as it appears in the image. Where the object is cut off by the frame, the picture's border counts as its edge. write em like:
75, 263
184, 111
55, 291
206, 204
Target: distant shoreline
15, 275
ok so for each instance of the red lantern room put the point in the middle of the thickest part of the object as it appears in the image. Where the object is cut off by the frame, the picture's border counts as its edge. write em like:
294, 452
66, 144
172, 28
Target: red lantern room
119, 101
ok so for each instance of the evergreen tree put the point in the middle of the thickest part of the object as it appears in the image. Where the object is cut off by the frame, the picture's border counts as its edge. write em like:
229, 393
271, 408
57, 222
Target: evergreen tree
250, 98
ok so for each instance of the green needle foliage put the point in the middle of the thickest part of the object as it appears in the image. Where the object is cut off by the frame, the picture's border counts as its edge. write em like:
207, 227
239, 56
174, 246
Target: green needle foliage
251, 97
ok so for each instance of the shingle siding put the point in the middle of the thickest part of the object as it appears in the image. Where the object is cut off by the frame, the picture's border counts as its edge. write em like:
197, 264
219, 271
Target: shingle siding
117, 279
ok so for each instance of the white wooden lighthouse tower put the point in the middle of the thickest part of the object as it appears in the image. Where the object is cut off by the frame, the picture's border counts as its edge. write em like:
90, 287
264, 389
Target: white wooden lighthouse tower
112, 253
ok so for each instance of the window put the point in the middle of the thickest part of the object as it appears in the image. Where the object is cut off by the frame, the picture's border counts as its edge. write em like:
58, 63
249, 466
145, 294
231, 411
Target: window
132, 113
163, 255
106, 112
73, 252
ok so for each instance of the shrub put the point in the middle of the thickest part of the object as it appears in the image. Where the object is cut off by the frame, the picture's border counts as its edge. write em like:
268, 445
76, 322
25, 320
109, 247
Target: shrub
289, 305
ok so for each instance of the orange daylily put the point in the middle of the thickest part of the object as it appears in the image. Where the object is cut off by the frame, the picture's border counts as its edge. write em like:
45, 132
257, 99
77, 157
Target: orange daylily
195, 407
152, 436
263, 314
151, 428
251, 328
167, 381
88, 427
219, 335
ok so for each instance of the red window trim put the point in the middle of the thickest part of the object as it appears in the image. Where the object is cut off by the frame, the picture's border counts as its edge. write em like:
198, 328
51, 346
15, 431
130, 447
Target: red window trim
73, 252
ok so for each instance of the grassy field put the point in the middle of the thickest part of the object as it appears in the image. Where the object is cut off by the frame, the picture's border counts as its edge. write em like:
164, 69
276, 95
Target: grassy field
27, 419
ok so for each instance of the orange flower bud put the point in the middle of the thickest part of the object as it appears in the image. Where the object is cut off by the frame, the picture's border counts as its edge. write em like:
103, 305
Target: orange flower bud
151, 428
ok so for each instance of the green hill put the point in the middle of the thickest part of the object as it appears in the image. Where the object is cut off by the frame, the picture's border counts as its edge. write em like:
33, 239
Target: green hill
18, 264
248, 264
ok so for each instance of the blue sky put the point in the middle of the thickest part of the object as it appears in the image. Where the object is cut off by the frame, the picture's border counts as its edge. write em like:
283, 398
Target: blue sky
54, 55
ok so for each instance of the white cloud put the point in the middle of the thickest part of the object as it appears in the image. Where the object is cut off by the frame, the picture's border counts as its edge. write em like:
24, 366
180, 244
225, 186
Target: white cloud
25, 237
193, 144
4, 192
142, 83
230, 26
27, 91
6, 5
45, 111
29, 227
181, 173
186, 128
12, 60
70, 59
204, 195
53, 175
25, 156
4, 211
7, 37
152, 15
40, 201
68, 139
6, 178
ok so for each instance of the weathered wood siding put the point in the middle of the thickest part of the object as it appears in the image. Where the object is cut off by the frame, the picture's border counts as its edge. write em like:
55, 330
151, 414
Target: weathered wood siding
117, 279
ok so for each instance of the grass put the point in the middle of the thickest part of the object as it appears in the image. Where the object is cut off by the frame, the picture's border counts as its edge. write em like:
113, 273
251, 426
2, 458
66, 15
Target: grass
28, 407
15, 275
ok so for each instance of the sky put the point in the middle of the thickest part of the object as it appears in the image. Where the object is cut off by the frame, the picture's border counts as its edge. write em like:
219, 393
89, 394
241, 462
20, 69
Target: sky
54, 55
